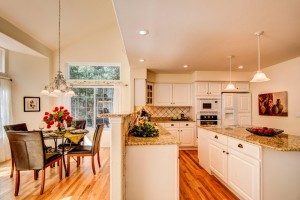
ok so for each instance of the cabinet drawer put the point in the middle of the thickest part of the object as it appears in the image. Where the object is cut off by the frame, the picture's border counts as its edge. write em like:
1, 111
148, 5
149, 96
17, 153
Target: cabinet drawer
245, 147
222, 139
171, 125
187, 124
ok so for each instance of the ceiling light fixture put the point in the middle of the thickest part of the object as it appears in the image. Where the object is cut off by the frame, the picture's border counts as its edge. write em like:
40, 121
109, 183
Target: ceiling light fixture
142, 60
185, 66
230, 85
143, 32
59, 84
259, 76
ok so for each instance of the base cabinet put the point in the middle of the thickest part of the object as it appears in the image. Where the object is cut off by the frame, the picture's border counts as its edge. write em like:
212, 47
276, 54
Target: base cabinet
218, 160
184, 132
244, 175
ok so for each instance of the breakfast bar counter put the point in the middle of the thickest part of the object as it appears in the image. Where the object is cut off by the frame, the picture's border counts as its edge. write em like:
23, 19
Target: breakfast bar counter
281, 142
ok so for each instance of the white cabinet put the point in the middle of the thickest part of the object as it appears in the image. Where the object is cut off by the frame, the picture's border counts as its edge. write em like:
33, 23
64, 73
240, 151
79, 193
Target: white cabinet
218, 159
228, 101
203, 148
244, 119
244, 103
181, 94
187, 137
172, 94
208, 89
244, 175
149, 100
185, 132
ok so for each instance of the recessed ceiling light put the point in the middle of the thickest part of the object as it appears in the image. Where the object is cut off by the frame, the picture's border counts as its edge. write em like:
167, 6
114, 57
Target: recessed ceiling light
142, 60
185, 66
241, 67
143, 32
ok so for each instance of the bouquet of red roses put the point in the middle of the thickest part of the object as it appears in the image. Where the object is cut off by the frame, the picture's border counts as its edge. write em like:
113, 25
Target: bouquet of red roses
59, 115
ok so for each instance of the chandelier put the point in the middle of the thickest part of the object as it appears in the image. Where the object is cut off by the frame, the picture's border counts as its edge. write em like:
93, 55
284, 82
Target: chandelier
59, 85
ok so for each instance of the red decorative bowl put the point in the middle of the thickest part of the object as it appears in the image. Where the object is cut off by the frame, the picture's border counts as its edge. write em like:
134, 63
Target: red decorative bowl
264, 131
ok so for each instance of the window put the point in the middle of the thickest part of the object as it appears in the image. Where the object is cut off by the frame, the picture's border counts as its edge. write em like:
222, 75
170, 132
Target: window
90, 102
2, 60
94, 72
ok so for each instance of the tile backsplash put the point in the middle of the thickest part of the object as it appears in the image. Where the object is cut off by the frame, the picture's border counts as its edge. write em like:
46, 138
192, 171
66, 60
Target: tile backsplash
166, 111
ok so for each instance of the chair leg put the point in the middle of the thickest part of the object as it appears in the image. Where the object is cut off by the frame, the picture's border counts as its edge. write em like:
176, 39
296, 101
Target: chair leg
43, 181
78, 161
60, 169
12, 167
68, 164
17, 186
93, 164
98, 158
36, 174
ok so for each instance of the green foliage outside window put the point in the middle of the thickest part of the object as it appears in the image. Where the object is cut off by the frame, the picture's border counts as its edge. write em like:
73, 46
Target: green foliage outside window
91, 72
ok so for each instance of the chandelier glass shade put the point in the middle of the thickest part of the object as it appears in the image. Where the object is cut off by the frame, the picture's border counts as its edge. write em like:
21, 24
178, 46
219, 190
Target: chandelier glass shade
259, 76
59, 85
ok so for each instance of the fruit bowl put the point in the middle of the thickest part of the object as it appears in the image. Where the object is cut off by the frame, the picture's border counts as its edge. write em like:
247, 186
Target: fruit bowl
264, 131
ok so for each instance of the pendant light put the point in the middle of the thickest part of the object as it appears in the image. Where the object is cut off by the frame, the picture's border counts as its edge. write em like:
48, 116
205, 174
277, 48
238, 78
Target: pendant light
230, 86
259, 76
59, 85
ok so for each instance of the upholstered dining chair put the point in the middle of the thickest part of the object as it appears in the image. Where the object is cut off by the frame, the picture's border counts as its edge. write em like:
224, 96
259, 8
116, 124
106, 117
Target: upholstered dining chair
29, 154
82, 151
14, 127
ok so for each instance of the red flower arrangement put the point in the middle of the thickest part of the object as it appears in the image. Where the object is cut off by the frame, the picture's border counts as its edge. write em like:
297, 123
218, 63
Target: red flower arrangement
59, 115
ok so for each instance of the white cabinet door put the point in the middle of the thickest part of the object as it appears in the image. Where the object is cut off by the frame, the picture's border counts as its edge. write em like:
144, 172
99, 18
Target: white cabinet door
181, 94
174, 131
244, 119
244, 103
187, 137
228, 101
163, 94
218, 159
244, 175
203, 148
201, 89
242, 86
215, 89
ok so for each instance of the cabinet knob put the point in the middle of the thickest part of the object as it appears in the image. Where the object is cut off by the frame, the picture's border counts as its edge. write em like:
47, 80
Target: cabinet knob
240, 146
187, 124
224, 151
216, 137
172, 124
227, 153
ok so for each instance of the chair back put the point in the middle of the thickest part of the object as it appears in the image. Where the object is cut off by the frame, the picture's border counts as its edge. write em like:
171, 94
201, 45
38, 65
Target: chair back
27, 148
16, 127
80, 124
97, 138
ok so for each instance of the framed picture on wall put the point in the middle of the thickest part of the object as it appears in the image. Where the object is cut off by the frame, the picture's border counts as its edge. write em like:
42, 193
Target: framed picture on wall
32, 104
273, 104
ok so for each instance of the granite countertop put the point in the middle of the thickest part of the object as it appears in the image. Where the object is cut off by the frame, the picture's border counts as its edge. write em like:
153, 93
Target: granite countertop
112, 115
164, 138
281, 142
169, 120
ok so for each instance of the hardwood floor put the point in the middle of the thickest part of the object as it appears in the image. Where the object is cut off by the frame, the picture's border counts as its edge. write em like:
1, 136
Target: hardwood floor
196, 184
81, 184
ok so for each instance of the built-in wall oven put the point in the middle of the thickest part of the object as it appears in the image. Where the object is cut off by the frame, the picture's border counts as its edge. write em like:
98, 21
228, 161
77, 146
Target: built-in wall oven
208, 118
209, 111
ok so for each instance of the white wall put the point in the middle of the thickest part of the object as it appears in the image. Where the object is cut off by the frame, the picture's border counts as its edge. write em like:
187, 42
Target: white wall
284, 77
30, 74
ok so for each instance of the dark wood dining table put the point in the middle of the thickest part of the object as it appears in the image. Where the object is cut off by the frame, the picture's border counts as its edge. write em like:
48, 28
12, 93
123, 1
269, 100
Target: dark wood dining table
55, 136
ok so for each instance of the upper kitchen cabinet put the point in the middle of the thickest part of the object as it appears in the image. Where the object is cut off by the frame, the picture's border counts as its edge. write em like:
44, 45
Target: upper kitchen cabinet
208, 89
172, 94
149, 91
240, 86
244, 103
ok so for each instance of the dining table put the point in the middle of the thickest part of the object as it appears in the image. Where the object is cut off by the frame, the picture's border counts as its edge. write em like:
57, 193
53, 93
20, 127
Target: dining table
74, 136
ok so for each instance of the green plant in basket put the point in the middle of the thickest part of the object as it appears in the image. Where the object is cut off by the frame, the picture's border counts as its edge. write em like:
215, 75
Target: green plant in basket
145, 129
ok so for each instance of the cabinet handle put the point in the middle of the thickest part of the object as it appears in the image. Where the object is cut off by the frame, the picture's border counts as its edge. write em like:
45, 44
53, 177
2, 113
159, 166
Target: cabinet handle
172, 124
216, 137
187, 124
240, 146
224, 151
227, 153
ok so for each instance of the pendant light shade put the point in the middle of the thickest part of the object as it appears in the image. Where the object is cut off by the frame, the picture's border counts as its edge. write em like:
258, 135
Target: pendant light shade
230, 86
259, 76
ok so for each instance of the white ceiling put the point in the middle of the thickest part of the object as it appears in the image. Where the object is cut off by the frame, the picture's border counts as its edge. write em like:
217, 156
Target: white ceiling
202, 33
39, 18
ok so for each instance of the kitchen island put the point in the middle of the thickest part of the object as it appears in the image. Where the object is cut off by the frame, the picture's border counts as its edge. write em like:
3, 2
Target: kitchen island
152, 167
253, 167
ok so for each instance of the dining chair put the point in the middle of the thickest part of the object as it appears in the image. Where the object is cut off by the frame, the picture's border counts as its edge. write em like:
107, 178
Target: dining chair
14, 127
84, 150
29, 154
78, 124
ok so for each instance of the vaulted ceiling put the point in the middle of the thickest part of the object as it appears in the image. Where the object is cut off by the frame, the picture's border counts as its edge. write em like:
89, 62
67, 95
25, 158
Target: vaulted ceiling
39, 18
202, 33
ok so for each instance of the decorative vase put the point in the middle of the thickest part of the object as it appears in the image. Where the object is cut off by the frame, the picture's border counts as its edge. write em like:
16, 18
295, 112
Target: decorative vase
275, 110
279, 105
